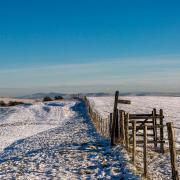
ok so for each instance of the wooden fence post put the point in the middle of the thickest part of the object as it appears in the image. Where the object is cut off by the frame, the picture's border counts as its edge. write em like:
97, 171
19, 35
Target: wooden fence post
161, 131
96, 120
90, 112
172, 149
122, 133
145, 150
100, 127
104, 127
104, 121
110, 124
127, 131
154, 127
107, 127
118, 125
114, 118
134, 142
100, 120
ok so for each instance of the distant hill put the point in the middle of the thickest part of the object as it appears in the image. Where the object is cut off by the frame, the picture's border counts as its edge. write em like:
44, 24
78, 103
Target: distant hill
41, 95
96, 94
151, 94
136, 94
53, 94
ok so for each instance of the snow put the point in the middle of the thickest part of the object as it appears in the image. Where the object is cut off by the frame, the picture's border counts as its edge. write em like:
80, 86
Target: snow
142, 104
56, 140
160, 164
23, 121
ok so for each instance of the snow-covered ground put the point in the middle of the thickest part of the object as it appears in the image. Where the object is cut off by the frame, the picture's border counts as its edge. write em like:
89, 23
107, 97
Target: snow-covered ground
56, 140
23, 121
145, 104
142, 104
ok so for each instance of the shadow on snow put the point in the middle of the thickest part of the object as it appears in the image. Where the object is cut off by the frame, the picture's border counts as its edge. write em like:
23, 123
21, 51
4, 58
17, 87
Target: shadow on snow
76, 139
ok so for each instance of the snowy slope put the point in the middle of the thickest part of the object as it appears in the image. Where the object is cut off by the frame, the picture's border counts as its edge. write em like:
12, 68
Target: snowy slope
145, 104
23, 121
56, 141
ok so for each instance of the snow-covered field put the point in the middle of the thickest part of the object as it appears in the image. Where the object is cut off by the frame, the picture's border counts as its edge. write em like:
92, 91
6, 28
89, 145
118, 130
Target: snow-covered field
23, 121
56, 140
145, 104
142, 104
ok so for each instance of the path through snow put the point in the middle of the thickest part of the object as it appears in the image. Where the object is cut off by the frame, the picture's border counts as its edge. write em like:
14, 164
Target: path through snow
69, 149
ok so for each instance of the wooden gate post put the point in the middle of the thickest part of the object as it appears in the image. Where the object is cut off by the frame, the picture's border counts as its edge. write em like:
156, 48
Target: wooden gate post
154, 127
114, 118
134, 142
122, 133
172, 149
145, 150
161, 131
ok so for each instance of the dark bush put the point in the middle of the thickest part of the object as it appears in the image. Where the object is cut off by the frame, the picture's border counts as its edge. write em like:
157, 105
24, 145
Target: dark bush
2, 103
47, 98
58, 98
14, 103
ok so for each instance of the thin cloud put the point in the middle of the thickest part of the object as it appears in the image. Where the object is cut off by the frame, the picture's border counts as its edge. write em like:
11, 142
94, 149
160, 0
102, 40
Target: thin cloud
117, 73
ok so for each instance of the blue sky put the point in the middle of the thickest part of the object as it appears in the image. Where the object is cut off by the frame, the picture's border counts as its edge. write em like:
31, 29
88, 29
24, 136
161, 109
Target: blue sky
89, 45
